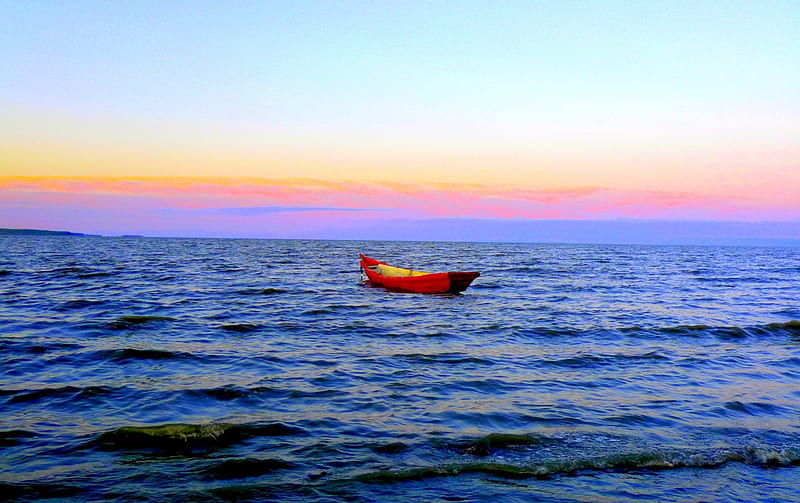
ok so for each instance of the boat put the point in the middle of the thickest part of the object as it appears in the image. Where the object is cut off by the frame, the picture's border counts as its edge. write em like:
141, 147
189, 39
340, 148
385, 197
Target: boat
409, 280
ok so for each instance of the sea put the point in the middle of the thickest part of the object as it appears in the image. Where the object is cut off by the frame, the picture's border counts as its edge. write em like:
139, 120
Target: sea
193, 370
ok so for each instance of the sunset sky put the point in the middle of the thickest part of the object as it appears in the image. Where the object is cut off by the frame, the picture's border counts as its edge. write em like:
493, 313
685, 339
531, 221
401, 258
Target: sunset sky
337, 119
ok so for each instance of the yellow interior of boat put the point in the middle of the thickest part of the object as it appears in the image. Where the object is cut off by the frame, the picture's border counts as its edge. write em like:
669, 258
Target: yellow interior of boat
396, 272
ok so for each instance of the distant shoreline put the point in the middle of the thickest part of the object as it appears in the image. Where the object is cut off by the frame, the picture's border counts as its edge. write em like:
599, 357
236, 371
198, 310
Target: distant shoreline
622, 233
40, 232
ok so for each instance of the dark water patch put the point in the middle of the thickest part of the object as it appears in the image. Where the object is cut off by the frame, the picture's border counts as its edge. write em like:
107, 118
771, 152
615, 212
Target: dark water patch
318, 311
793, 312
243, 468
64, 271
240, 327
229, 268
470, 386
297, 394
318, 475
133, 321
528, 270
594, 361
486, 286
37, 347
133, 354
390, 448
224, 393
37, 491
76, 304
700, 330
720, 281
446, 358
10, 438
331, 309
333, 380
4, 272
791, 327
183, 436
64, 393
263, 291
791, 362
33, 349
751, 408
271, 291
244, 492
322, 363
96, 274
539, 332
322, 450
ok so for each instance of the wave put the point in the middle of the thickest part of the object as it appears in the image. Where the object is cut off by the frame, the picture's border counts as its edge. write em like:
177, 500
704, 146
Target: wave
18, 347
10, 438
37, 491
96, 274
389, 448
186, 436
132, 354
621, 462
66, 392
737, 407
333, 309
227, 393
791, 327
64, 271
592, 360
240, 327
497, 441
223, 393
447, 358
133, 321
127, 355
81, 272
263, 291
239, 468
530, 270
271, 291
78, 304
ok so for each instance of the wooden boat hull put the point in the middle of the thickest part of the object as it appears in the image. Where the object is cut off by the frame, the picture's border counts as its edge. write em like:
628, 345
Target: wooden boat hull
407, 280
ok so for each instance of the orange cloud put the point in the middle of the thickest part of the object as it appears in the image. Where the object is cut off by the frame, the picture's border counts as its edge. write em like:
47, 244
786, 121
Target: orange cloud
412, 200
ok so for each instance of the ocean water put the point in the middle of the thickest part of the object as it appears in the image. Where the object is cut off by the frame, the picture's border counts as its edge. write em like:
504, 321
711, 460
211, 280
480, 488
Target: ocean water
138, 369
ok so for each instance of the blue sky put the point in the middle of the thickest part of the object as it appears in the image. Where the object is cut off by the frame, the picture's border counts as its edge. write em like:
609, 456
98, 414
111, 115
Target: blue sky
661, 109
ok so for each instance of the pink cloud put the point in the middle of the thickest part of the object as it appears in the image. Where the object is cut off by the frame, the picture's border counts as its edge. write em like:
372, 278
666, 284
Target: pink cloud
182, 205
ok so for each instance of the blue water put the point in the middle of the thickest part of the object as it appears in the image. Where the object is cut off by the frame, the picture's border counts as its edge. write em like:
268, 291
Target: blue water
137, 369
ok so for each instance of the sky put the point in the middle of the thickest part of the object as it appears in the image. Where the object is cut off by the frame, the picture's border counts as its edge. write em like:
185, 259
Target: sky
469, 120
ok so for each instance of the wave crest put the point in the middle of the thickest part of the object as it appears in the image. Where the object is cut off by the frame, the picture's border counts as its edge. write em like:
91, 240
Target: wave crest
624, 462
183, 436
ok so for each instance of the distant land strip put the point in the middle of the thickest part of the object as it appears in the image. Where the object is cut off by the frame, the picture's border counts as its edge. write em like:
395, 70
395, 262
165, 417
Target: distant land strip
39, 232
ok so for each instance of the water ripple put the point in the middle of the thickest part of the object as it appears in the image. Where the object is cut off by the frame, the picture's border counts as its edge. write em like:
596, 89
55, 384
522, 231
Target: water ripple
190, 369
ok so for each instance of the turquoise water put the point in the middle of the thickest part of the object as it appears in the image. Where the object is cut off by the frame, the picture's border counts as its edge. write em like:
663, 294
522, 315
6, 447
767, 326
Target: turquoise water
257, 370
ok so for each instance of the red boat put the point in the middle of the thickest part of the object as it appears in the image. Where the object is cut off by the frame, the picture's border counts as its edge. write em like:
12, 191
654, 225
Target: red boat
409, 280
